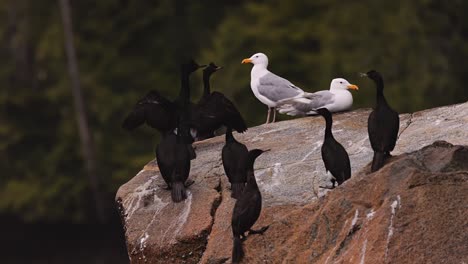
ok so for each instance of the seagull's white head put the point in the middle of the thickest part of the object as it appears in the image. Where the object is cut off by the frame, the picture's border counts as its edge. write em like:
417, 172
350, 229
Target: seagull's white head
342, 84
257, 59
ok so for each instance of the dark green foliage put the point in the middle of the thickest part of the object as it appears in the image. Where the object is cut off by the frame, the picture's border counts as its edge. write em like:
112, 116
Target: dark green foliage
126, 48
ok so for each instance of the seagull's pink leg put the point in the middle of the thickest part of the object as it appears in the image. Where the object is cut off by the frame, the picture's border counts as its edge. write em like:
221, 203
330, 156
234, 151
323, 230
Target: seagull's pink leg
274, 114
268, 116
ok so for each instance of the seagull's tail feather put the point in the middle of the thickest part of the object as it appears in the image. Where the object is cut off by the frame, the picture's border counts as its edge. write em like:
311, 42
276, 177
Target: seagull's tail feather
290, 110
307, 95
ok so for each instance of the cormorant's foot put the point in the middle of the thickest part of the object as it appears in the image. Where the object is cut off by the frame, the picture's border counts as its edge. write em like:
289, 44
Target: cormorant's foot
164, 187
259, 231
188, 183
333, 183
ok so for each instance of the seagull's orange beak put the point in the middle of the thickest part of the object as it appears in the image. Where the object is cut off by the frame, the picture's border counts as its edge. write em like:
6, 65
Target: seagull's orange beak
353, 87
248, 60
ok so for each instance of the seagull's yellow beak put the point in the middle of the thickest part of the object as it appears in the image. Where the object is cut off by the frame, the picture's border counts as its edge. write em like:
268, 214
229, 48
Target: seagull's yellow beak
248, 60
353, 87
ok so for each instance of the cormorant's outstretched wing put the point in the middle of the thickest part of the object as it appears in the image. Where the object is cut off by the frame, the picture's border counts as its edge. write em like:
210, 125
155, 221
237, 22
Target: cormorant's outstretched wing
155, 110
218, 110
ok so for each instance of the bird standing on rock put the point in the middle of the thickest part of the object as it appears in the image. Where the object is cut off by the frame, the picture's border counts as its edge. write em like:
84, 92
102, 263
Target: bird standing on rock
234, 156
268, 87
247, 209
334, 155
214, 110
175, 151
383, 124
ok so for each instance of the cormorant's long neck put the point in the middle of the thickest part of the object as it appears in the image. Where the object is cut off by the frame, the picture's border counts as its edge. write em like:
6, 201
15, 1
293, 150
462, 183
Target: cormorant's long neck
183, 129
229, 136
184, 95
206, 83
380, 95
328, 127
251, 182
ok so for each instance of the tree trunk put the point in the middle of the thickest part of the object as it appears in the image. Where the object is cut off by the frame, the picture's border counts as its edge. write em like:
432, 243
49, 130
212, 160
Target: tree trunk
87, 144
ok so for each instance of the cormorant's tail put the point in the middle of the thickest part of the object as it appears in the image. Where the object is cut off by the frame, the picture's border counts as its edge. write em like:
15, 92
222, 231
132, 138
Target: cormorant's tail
237, 250
378, 160
236, 189
178, 192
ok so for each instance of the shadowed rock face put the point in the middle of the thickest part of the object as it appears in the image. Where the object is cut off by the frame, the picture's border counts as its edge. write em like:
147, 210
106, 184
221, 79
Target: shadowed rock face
410, 210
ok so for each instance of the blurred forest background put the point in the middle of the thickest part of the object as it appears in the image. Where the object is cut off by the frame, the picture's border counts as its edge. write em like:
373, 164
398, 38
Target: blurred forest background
59, 201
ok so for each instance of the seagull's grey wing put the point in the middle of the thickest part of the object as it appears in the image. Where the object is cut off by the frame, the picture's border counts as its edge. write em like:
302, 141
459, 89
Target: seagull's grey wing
320, 99
276, 88
310, 102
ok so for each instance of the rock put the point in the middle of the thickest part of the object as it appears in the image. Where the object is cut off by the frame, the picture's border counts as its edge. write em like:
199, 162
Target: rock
392, 216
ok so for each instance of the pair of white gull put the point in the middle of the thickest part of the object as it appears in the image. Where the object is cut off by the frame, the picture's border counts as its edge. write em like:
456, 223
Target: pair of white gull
275, 91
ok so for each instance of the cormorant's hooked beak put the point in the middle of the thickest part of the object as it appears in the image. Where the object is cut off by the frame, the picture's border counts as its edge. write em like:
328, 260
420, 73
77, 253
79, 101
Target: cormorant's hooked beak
248, 60
353, 87
202, 66
219, 68
362, 74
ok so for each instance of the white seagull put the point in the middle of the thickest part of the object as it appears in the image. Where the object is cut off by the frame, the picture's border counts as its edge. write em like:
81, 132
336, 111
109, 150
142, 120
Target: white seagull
268, 87
337, 99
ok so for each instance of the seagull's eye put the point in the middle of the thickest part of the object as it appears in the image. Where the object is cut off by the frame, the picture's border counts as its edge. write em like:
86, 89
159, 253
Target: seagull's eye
341, 82
256, 56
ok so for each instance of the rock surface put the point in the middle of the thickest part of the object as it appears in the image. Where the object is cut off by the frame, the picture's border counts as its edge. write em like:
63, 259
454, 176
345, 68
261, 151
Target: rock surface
413, 209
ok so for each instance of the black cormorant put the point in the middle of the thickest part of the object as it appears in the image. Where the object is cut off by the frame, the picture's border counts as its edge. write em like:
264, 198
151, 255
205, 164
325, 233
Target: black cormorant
214, 110
247, 209
175, 151
383, 125
234, 156
334, 155
157, 111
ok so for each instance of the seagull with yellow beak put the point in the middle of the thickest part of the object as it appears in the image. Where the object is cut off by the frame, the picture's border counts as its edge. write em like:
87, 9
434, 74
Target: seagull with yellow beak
268, 87
337, 99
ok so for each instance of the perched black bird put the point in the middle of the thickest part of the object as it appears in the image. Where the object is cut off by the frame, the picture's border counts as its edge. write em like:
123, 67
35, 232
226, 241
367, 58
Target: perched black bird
234, 161
383, 125
214, 110
334, 155
247, 209
175, 151
157, 111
